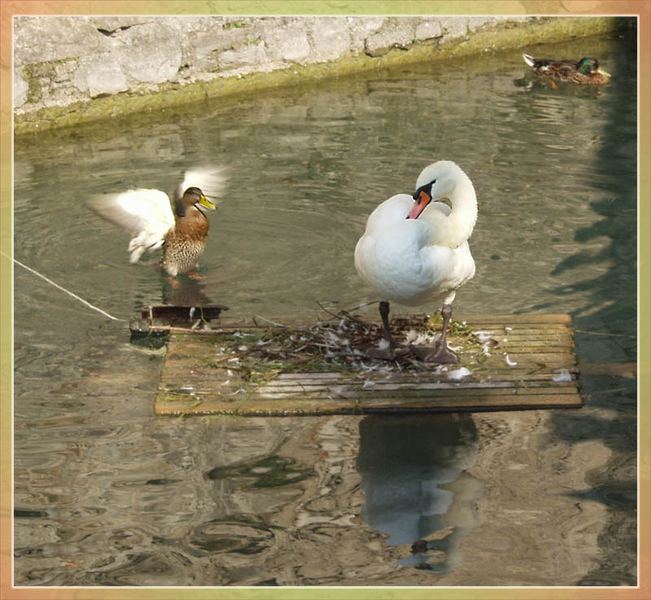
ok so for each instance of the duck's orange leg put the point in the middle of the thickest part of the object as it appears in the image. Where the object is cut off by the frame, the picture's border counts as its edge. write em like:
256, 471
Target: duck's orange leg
195, 275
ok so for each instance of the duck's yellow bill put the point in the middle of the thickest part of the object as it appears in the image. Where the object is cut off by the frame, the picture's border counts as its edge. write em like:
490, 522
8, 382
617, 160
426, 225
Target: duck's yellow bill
604, 73
207, 203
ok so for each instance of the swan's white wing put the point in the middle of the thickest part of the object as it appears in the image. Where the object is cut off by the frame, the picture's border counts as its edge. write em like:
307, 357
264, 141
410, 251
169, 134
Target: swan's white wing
145, 214
449, 268
210, 180
391, 211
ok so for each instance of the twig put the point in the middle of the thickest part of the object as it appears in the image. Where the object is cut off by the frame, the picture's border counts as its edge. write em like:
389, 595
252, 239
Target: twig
269, 321
346, 314
343, 314
325, 310
361, 306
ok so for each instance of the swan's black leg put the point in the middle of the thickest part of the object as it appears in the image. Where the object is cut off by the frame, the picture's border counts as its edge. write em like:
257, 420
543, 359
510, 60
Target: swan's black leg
446, 313
389, 351
384, 313
443, 354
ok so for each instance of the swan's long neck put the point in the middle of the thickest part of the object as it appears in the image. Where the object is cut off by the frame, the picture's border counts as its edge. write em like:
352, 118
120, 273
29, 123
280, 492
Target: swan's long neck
461, 220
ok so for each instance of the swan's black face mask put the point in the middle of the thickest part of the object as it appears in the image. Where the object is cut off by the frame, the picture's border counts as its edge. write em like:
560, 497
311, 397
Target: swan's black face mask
427, 188
422, 197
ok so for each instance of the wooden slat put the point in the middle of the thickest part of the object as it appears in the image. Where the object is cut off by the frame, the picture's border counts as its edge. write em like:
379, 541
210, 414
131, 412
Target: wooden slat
174, 405
197, 377
512, 375
477, 321
430, 388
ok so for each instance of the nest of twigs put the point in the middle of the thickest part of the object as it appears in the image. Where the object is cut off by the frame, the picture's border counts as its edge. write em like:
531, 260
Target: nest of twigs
342, 343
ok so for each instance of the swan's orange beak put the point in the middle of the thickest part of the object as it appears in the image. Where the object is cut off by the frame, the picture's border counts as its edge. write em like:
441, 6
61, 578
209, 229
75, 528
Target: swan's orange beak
421, 202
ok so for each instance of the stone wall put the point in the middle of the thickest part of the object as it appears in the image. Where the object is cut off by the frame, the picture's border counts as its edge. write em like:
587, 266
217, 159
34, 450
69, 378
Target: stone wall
64, 65
62, 60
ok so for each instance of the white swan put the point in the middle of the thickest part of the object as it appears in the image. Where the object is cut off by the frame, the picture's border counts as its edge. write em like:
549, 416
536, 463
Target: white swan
415, 249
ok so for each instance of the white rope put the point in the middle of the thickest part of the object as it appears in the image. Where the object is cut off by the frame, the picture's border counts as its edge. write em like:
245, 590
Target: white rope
56, 285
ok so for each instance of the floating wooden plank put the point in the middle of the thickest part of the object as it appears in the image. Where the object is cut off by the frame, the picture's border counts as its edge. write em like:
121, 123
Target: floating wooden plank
156, 322
530, 363
166, 315
182, 313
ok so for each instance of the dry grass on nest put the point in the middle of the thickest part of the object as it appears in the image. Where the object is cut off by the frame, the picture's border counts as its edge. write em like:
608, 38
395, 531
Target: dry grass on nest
341, 343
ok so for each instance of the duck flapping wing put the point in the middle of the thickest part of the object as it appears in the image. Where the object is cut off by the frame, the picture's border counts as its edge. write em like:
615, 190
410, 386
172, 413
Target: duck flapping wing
146, 214
210, 180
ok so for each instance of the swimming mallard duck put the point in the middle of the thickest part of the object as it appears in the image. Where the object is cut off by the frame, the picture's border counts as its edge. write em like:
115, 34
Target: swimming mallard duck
585, 72
147, 215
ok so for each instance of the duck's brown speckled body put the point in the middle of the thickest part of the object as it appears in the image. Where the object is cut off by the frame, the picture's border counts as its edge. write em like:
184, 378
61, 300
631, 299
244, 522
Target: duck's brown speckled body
586, 71
147, 214
186, 241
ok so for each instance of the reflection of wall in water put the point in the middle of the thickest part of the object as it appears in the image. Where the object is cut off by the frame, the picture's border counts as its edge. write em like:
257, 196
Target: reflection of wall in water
413, 476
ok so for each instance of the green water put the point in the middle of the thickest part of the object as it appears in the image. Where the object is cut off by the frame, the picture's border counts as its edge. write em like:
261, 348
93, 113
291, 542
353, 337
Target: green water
108, 494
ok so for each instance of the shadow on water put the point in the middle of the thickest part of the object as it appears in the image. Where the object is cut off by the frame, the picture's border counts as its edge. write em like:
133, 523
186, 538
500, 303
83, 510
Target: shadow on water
416, 488
610, 305
606, 323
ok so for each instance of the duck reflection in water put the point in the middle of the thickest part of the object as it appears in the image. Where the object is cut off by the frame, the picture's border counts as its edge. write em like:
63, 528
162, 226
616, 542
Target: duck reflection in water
417, 491
185, 291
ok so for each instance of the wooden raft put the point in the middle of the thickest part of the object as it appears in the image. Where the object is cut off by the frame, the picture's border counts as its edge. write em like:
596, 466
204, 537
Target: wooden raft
533, 366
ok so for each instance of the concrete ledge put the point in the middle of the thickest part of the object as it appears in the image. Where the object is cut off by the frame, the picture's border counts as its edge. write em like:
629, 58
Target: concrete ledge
485, 36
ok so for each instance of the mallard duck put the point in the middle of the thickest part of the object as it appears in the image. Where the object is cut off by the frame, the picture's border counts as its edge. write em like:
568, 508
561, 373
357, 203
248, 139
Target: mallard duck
415, 248
586, 71
148, 216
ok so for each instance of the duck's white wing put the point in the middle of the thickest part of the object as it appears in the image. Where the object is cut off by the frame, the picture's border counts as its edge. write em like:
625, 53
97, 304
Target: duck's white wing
210, 180
145, 214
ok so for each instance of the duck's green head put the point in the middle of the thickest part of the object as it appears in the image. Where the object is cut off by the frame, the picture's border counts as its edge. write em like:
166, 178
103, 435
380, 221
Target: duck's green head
191, 197
587, 66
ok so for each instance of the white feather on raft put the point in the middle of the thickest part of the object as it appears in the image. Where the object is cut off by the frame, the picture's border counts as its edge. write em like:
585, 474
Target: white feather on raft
510, 362
147, 213
562, 375
460, 373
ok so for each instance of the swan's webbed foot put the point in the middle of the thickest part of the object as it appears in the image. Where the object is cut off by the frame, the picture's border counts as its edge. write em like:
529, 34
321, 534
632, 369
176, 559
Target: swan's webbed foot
439, 354
381, 353
387, 352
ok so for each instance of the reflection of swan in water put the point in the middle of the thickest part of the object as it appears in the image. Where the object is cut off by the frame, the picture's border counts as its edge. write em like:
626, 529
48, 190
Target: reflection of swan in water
412, 470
